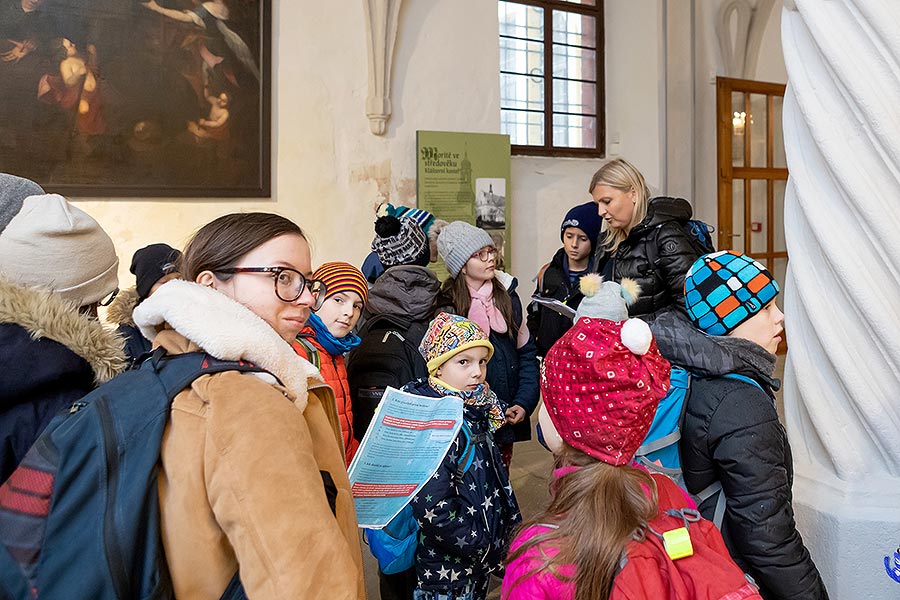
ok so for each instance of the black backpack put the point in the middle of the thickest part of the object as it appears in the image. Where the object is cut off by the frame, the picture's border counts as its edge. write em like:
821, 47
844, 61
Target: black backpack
387, 356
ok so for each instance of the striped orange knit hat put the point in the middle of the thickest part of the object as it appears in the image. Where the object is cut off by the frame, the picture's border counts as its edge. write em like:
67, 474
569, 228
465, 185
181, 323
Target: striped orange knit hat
342, 277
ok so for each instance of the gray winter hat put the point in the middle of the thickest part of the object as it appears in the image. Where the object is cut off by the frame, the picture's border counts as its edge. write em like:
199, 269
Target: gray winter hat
457, 243
13, 190
54, 245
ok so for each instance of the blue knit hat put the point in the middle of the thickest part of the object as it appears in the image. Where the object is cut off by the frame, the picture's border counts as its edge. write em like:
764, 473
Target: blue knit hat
586, 218
724, 289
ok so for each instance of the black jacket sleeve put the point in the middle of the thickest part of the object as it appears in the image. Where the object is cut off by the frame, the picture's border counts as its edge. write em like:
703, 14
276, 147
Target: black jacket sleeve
675, 255
750, 451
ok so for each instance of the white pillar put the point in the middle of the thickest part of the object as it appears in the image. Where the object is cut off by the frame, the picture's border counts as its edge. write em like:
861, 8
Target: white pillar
842, 295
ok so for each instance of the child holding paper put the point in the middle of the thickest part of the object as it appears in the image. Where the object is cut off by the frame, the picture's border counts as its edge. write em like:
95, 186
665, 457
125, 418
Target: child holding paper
467, 511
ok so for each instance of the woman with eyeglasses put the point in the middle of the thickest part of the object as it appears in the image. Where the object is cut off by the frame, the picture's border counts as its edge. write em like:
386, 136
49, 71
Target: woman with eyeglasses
252, 475
487, 296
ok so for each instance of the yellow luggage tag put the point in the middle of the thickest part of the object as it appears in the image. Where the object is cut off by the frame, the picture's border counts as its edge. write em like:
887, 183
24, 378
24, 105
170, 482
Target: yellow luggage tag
678, 543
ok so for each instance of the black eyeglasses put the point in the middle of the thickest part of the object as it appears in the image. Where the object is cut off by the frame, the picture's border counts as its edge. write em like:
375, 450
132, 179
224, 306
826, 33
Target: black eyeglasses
289, 283
109, 299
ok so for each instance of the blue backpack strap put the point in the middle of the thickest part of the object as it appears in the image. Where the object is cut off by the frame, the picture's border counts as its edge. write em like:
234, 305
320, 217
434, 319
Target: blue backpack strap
176, 372
745, 379
467, 454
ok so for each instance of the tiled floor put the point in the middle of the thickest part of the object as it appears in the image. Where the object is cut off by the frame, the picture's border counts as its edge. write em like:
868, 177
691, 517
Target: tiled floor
530, 474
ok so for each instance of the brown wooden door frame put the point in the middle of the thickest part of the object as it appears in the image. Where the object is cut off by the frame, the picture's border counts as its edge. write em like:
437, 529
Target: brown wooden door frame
727, 172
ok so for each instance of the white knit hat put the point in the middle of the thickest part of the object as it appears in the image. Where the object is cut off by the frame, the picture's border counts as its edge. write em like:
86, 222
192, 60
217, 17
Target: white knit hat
54, 245
458, 241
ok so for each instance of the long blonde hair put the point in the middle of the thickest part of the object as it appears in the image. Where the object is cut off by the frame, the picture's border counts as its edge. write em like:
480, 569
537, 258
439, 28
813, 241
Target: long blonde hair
625, 177
596, 510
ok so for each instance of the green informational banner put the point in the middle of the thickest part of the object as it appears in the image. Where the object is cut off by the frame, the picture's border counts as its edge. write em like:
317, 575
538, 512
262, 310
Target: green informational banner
465, 177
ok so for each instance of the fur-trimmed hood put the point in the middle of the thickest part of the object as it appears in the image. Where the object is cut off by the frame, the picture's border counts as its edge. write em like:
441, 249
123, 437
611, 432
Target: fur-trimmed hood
227, 330
44, 314
119, 312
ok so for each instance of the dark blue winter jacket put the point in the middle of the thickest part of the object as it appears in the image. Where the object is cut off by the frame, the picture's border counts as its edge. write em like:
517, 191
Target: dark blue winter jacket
465, 519
50, 356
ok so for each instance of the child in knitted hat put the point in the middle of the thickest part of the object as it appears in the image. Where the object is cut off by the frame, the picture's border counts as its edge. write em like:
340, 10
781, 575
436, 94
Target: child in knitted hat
558, 279
466, 512
152, 266
328, 335
731, 433
403, 236
479, 291
601, 384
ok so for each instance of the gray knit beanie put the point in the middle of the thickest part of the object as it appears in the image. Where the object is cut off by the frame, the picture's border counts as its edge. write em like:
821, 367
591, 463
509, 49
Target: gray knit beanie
13, 190
53, 245
457, 243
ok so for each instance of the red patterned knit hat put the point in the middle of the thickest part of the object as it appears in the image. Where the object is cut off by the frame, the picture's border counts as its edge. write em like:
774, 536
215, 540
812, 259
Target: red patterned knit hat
342, 277
600, 395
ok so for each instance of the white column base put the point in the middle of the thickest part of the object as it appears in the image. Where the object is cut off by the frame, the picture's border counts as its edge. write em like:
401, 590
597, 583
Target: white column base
849, 528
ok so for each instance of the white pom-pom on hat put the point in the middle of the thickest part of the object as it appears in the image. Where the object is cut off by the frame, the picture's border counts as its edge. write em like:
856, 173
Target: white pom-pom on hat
636, 336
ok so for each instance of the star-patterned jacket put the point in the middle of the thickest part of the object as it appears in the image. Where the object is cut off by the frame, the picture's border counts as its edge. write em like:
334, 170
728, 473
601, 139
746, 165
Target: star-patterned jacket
465, 521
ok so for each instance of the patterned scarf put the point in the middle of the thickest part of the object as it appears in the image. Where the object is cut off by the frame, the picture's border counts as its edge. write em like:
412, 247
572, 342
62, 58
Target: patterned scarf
480, 396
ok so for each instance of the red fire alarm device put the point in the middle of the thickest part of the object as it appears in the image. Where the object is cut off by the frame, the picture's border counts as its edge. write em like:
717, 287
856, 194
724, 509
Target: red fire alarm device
755, 226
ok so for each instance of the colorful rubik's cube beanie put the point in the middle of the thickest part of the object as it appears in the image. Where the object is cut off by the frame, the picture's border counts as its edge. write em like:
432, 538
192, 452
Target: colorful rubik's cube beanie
724, 289
447, 336
601, 396
342, 277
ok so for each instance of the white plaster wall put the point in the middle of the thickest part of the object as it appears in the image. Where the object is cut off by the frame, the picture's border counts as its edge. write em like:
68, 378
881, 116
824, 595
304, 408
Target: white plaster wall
328, 170
545, 189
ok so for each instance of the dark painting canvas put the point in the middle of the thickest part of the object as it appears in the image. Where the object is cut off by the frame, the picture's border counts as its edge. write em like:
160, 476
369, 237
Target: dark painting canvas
123, 97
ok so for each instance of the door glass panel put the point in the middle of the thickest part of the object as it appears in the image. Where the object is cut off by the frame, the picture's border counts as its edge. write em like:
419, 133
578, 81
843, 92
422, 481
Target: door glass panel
778, 217
779, 159
757, 122
737, 220
738, 127
759, 224
779, 271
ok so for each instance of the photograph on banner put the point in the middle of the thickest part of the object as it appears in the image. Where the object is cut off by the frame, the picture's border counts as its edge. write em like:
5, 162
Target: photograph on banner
402, 449
466, 177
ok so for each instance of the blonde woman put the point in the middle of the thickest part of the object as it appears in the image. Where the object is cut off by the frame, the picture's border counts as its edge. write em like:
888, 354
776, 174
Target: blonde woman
642, 238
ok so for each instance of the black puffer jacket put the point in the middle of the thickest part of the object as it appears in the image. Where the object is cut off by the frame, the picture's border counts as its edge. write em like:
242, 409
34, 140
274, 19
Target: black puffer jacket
731, 434
661, 277
553, 281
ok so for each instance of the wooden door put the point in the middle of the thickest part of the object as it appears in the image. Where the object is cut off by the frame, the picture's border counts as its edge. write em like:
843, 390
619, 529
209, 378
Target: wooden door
752, 171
